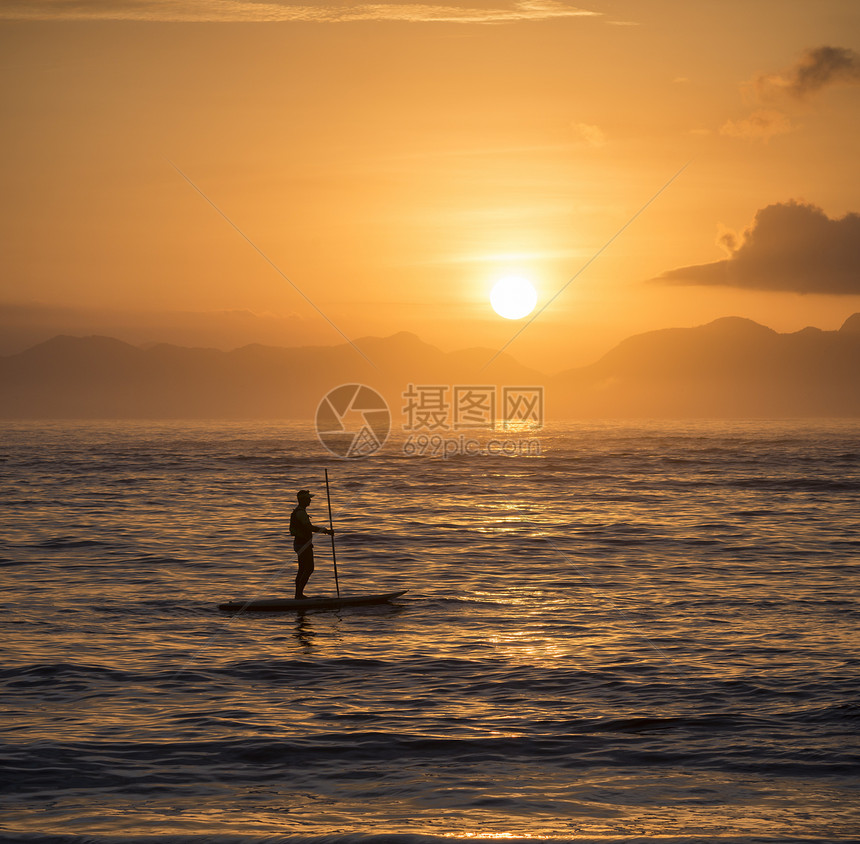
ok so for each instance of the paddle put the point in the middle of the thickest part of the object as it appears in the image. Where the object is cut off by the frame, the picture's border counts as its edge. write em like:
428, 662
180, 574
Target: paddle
331, 528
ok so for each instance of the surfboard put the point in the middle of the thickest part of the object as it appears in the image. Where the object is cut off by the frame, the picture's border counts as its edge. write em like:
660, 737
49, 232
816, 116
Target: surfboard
287, 604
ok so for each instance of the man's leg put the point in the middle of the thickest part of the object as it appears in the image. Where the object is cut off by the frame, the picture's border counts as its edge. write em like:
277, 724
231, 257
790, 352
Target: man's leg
306, 569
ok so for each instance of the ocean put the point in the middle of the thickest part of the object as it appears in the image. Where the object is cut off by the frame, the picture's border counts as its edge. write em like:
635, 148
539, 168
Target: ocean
635, 632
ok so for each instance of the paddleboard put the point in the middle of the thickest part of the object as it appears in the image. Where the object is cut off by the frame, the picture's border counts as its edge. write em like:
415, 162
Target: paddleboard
287, 604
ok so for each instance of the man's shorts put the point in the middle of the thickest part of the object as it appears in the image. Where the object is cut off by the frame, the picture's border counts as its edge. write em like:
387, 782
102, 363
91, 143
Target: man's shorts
306, 556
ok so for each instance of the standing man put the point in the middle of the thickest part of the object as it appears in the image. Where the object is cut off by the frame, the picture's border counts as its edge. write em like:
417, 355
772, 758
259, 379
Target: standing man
303, 540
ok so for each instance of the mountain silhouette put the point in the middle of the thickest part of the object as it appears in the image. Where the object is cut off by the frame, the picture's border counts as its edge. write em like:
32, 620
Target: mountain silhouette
731, 367
100, 377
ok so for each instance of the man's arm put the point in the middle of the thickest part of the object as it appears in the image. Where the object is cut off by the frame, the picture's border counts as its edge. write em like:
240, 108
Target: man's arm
320, 529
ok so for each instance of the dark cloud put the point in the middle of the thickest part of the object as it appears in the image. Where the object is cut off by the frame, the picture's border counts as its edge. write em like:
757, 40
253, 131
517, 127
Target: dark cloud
815, 69
791, 246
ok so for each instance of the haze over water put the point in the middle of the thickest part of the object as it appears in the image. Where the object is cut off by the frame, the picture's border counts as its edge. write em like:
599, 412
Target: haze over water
647, 630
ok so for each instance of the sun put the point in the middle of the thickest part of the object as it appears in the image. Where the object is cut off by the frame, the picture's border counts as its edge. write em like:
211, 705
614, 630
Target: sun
513, 297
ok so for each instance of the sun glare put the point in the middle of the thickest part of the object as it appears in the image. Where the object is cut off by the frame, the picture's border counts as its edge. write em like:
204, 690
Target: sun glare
513, 297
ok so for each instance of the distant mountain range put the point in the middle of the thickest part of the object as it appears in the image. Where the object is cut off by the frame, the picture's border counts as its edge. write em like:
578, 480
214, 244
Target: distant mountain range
731, 367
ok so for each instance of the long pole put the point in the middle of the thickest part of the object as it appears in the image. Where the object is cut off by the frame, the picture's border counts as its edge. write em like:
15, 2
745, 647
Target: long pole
331, 528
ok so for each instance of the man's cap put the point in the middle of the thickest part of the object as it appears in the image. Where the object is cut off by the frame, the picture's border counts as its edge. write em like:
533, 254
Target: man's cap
303, 493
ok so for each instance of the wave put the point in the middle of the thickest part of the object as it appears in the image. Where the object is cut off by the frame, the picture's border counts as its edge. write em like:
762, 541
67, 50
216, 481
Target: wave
802, 484
69, 542
622, 744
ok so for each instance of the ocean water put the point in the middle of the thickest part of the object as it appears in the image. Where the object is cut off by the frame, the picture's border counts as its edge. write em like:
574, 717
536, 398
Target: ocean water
645, 631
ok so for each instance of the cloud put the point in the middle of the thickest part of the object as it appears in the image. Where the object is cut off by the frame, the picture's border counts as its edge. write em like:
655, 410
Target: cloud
816, 69
592, 135
761, 125
790, 246
262, 11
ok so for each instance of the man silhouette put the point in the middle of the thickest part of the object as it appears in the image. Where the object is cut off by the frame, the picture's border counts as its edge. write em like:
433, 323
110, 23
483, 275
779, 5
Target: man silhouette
303, 540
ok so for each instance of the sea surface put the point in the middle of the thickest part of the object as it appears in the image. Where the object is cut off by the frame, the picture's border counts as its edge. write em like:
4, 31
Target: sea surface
642, 632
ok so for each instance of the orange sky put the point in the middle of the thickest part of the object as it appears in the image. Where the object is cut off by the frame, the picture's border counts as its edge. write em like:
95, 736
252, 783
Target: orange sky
393, 167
